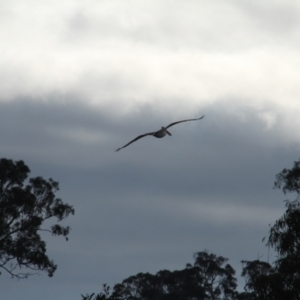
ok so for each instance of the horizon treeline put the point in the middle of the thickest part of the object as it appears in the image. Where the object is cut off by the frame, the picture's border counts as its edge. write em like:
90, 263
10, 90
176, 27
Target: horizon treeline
210, 277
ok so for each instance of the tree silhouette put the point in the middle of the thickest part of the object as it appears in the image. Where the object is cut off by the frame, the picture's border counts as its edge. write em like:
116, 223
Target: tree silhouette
282, 280
285, 233
262, 281
24, 206
219, 280
207, 278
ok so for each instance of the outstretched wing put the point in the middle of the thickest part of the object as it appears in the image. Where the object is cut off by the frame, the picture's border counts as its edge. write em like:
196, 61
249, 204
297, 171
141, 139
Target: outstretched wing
137, 138
184, 121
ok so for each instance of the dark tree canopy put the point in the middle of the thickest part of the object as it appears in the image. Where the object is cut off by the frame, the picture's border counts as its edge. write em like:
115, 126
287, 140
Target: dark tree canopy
208, 278
219, 280
261, 281
285, 233
24, 206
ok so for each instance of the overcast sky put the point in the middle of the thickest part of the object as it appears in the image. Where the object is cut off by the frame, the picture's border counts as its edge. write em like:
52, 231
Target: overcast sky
79, 79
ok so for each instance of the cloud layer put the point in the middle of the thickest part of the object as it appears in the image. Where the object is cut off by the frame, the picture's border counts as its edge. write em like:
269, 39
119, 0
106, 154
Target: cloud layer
79, 80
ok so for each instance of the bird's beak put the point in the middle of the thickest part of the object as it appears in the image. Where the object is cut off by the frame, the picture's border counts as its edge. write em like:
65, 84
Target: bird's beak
168, 132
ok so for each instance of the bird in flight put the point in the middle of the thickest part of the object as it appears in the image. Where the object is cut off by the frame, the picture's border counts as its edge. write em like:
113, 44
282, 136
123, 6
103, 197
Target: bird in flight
160, 133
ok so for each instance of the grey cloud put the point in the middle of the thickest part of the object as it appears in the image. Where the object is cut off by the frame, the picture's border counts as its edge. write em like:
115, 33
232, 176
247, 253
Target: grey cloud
280, 18
156, 202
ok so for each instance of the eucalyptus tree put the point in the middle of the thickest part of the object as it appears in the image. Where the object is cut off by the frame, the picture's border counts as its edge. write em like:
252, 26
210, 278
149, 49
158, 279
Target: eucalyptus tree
25, 204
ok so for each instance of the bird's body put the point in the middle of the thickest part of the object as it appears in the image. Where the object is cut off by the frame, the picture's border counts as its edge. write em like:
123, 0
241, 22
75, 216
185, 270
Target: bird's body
160, 133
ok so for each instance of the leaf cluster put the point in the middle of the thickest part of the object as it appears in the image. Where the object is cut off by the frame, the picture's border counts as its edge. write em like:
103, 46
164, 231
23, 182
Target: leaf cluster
25, 204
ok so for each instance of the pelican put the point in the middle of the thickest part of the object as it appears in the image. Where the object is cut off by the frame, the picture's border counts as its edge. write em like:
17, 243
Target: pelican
160, 133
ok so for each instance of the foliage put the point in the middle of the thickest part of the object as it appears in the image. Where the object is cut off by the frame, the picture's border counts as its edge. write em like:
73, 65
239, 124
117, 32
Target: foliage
262, 281
25, 204
285, 233
219, 280
104, 295
282, 280
207, 278
289, 179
